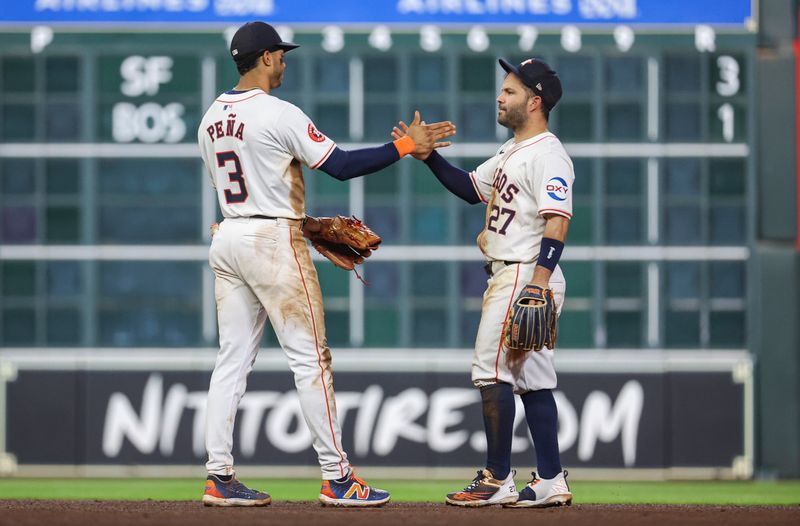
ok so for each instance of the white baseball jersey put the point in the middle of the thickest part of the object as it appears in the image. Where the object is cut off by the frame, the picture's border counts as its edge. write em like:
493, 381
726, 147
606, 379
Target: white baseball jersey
520, 184
253, 145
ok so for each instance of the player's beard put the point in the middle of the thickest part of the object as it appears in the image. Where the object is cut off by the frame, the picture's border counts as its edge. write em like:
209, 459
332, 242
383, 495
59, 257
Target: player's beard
515, 117
276, 80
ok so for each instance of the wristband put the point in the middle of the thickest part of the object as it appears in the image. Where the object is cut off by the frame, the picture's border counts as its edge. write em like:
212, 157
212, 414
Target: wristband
405, 145
550, 253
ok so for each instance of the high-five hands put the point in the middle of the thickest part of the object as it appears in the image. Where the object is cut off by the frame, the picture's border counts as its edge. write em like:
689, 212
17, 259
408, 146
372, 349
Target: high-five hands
425, 136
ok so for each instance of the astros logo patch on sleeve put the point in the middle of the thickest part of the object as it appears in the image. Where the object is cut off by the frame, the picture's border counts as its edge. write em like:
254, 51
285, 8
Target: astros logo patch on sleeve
314, 134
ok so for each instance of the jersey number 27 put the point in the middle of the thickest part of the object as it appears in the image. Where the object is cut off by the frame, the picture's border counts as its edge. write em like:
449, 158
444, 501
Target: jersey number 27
496, 214
235, 176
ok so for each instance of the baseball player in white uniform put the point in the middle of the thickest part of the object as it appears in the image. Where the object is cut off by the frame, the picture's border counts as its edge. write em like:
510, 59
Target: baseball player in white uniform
527, 189
253, 146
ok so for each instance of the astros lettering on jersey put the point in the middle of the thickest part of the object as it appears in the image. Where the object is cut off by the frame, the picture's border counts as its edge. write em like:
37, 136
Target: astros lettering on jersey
519, 185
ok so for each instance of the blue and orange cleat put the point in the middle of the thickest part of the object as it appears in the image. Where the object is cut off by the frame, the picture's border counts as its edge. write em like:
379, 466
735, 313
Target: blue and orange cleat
232, 493
351, 491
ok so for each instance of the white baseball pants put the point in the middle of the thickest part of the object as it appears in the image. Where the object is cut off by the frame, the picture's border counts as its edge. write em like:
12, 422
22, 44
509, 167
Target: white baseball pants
264, 271
492, 362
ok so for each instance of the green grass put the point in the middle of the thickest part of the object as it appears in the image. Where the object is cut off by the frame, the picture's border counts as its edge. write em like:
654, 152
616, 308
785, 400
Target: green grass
741, 493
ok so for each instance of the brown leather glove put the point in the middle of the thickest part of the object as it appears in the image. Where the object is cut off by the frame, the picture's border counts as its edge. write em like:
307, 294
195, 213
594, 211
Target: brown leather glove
533, 322
345, 241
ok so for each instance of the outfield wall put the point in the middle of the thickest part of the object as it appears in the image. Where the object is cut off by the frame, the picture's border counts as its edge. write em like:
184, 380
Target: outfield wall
142, 413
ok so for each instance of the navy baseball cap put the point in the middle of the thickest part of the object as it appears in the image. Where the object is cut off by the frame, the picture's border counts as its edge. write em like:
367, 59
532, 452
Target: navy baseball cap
257, 37
538, 76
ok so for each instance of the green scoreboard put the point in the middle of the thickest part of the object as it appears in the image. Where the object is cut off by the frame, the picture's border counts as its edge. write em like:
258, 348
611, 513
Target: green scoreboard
105, 206
146, 87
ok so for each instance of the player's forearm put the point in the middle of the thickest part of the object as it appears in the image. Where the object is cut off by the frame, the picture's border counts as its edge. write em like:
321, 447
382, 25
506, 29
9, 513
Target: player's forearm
541, 277
453, 178
344, 165
556, 228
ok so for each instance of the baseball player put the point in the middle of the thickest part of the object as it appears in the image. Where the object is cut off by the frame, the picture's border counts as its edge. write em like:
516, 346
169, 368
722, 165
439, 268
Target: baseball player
527, 189
253, 146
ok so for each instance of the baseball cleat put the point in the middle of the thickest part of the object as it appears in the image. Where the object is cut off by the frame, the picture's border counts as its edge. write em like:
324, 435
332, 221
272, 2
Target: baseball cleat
543, 493
351, 491
485, 490
232, 493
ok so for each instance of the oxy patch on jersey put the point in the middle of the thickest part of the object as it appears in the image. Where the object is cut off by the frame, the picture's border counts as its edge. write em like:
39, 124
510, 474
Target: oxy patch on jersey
315, 134
557, 188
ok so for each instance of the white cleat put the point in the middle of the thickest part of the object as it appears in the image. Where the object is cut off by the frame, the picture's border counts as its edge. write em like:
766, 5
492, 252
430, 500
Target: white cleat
543, 493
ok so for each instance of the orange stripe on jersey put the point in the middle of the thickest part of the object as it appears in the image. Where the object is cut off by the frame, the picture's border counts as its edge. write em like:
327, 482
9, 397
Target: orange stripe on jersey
477, 190
324, 157
555, 211
242, 100
522, 148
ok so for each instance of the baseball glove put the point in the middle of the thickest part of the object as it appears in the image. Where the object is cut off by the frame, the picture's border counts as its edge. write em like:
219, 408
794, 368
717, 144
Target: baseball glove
345, 241
533, 323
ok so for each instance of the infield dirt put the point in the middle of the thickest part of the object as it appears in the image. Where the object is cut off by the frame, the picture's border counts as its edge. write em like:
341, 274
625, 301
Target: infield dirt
124, 513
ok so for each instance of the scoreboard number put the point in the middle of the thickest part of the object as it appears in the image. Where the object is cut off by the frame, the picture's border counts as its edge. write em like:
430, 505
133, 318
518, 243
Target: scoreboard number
381, 38
430, 38
477, 39
727, 116
571, 39
624, 37
332, 39
728, 83
527, 37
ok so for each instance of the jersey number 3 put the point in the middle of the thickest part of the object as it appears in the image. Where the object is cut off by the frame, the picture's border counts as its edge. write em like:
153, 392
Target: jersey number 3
235, 176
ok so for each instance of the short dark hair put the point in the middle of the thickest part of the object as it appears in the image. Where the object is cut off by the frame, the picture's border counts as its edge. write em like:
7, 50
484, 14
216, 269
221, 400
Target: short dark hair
545, 109
247, 63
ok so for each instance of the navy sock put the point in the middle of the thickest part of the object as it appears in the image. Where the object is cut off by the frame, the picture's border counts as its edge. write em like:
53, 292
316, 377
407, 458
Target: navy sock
344, 479
498, 421
225, 478
542, 416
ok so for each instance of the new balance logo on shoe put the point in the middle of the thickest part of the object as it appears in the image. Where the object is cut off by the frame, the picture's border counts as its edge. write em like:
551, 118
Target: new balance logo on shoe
361, 492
